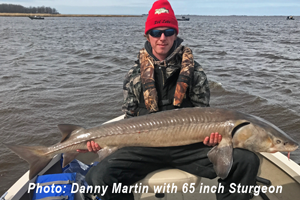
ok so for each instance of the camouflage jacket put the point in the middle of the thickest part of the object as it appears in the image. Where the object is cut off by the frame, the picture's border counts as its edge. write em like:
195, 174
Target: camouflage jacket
198, 91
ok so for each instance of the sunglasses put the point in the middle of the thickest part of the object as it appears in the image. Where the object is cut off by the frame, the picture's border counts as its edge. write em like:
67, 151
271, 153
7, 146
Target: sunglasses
167, 32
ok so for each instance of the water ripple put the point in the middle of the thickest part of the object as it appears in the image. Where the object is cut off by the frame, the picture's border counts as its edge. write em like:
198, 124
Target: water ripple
71, 70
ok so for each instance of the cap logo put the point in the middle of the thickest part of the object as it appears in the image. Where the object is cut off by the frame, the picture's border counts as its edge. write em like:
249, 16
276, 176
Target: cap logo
161, 10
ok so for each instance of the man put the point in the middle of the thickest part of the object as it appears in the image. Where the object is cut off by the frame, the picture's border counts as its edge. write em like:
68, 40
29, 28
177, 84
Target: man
166, 77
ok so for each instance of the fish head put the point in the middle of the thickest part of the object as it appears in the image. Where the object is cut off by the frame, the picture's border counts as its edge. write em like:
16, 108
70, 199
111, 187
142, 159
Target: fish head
281, 141
259, 135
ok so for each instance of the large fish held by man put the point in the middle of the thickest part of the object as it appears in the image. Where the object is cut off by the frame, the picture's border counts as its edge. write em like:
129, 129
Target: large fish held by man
168, 128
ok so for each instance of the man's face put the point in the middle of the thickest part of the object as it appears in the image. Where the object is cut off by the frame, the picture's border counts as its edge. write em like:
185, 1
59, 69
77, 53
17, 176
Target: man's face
161, 45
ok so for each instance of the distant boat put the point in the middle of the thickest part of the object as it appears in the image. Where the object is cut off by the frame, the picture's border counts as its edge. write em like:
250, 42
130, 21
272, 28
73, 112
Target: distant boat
183, 19
36, 17
290, 18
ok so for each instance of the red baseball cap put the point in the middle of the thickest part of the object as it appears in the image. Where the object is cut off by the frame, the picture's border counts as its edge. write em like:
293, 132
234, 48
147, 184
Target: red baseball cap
161, 15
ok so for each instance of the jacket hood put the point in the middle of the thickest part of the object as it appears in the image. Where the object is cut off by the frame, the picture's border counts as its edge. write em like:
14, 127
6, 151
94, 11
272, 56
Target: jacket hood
176, 44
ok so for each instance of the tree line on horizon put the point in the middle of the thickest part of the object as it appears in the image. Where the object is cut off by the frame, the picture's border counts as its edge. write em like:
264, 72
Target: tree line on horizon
12, 8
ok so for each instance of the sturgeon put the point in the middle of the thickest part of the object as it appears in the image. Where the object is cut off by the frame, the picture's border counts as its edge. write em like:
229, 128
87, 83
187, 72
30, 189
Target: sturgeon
167, 128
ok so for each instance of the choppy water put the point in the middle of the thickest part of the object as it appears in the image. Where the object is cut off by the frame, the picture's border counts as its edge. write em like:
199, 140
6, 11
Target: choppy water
70, 70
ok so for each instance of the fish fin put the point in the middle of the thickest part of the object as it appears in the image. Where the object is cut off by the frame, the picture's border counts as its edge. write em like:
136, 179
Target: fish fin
68, 157
104, 152
67, 129
221, 157
35, 155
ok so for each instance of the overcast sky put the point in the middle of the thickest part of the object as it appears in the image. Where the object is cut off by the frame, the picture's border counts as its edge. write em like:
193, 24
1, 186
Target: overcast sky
181, 7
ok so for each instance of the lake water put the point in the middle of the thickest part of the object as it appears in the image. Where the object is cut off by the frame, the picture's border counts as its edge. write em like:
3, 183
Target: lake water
71, 70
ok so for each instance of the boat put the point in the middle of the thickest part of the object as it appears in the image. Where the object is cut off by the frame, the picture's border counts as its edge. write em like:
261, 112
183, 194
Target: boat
183, 19
290, 18
36, 17
276, 171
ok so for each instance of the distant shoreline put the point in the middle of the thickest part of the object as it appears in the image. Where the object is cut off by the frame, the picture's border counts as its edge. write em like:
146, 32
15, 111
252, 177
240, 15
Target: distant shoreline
60, 15
143, 15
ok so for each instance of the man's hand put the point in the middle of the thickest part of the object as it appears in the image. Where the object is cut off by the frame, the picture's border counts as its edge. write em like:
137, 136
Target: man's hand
92, 147
213, 140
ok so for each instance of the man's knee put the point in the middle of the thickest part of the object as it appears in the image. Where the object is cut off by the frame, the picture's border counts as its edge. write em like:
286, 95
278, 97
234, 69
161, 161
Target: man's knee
245, 158
100, 174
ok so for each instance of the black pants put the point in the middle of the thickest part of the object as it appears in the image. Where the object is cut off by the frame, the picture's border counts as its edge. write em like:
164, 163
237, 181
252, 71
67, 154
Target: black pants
131, 164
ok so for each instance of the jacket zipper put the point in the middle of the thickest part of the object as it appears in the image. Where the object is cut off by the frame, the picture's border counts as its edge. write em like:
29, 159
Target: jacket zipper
162, 76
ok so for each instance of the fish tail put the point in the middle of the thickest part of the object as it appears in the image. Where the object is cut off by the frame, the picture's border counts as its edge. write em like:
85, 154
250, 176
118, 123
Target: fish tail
35, 155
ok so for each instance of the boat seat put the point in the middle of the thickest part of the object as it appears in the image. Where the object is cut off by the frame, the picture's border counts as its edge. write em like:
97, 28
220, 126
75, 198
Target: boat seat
163, 177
